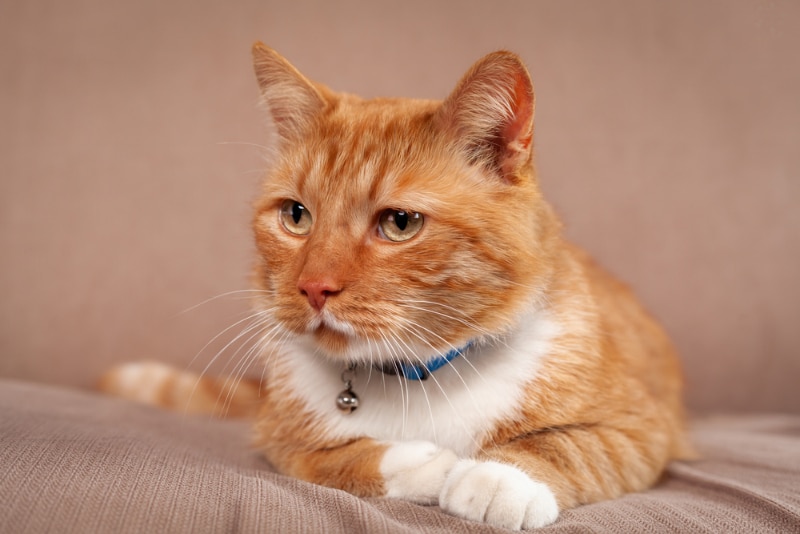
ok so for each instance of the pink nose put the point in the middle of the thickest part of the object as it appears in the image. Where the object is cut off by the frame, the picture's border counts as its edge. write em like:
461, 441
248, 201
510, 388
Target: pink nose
318, 291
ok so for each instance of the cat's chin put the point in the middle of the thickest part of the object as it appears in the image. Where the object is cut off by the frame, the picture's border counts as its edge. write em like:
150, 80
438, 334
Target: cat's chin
332, 342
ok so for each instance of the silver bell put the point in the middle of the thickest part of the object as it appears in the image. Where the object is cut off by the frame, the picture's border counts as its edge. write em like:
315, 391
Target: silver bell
347, 401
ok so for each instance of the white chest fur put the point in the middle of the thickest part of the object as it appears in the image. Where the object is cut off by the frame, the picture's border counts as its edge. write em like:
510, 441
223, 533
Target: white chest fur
454, 408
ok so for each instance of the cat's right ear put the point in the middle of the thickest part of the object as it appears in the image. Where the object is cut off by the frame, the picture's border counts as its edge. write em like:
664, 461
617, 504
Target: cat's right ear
489, 115
292, 100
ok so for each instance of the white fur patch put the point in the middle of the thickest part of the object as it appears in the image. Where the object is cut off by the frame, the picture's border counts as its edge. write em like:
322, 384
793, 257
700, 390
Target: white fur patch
416, 470
456, 408
497, 494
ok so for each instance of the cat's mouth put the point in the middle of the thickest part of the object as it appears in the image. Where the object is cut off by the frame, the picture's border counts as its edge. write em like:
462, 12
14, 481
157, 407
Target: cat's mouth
332, 335
326, 320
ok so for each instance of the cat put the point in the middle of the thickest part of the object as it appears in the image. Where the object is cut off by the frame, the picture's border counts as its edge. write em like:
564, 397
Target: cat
428, 333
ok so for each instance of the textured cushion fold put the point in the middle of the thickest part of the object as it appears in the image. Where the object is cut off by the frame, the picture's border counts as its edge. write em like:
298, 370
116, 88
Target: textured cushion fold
72, 461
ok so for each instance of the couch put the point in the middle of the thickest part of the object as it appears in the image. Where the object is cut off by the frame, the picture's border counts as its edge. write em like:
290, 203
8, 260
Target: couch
131, 147
77, 462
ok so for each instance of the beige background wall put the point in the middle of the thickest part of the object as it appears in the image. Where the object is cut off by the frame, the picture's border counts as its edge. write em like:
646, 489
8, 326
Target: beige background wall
668, 136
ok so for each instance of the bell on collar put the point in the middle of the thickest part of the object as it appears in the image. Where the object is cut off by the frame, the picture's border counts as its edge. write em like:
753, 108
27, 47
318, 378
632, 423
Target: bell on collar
347, 401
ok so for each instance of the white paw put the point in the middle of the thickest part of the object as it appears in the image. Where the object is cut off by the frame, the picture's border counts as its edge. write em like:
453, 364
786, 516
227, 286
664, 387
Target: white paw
416, 470
498, 494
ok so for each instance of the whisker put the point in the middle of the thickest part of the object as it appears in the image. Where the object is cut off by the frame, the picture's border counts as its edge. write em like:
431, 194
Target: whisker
399, 342
468, 324
491, 338
422, 386
221, 295
434, 303
405, 398
446, 343
254, 324
455, 411
245, 143
245, 362
223, 332
284, 336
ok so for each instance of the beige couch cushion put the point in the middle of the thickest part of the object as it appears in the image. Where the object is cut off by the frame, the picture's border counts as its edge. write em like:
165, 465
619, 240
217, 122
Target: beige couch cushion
77, 462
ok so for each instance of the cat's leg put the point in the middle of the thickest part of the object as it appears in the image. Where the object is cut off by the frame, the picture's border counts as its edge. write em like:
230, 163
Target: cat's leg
416, 470
487, 491
409, 470
524, 483
419, 471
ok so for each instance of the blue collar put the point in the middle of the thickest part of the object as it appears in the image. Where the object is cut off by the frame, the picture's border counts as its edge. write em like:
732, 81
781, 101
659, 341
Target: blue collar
414, 371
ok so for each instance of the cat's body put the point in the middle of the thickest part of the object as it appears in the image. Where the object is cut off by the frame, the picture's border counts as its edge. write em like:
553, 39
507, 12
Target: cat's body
396, 231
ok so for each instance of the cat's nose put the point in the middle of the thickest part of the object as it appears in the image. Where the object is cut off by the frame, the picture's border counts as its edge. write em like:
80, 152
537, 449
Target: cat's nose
318, 291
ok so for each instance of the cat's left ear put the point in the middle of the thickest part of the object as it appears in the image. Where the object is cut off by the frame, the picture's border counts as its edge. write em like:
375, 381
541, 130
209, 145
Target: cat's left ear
489, 115
293, 101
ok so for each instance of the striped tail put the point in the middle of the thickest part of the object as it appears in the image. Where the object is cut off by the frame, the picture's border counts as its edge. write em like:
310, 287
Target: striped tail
160, 385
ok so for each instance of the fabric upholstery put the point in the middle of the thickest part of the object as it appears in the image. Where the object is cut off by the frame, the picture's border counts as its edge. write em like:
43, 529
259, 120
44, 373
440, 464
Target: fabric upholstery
73, 461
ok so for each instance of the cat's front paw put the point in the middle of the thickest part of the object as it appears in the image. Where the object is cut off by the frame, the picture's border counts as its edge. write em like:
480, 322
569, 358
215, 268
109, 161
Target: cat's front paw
498, 494
416, 470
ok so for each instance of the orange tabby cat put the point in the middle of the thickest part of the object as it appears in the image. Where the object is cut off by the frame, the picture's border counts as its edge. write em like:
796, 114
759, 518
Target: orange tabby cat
429, 334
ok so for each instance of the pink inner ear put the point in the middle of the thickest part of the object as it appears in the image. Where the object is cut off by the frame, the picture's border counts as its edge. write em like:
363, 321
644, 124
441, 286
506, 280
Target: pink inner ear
490, 114
518, 131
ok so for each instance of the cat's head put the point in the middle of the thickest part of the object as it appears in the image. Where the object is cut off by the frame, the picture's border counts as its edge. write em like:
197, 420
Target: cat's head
399, 228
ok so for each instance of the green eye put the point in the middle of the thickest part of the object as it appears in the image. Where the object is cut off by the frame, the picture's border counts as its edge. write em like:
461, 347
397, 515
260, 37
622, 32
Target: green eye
399, 225
295, 217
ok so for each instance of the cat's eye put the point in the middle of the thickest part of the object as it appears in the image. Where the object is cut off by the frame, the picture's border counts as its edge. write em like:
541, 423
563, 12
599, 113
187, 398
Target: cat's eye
295, 217
399, 225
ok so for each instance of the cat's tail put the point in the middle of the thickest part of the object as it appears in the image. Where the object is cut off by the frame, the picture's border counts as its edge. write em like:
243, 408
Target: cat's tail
160, 385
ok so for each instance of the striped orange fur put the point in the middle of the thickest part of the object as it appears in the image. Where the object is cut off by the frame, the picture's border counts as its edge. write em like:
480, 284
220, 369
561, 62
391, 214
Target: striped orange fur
160, 385
398, 230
